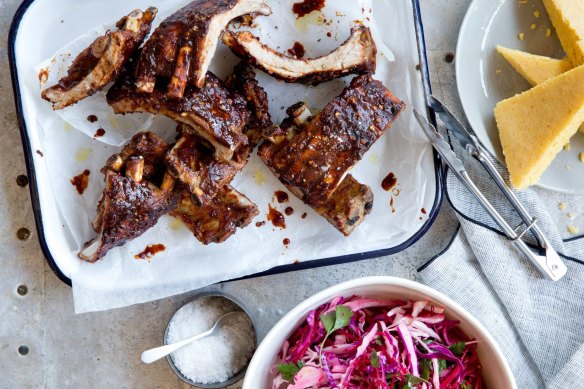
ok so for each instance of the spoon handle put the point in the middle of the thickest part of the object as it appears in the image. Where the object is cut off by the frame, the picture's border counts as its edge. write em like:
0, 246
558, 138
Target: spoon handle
155, 354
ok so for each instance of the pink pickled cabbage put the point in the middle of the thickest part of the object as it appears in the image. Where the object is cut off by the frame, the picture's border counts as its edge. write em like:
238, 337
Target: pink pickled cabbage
385, 345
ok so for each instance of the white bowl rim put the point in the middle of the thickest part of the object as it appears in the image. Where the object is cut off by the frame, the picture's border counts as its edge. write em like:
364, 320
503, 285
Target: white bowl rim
328, 293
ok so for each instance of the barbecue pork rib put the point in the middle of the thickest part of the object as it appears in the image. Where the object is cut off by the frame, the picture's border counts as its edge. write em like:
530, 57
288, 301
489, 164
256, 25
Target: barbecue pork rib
191, 162
350, 202
243, 81
314, 162
181, 48
356, 55
128, 208
102, 61
218, 220
212, 111
146, 145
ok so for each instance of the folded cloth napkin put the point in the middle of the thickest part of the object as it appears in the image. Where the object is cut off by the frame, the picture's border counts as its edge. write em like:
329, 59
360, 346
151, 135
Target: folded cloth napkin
539, 324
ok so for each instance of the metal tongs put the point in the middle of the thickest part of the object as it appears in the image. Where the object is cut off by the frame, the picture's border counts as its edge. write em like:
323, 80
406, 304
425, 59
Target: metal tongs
547, 260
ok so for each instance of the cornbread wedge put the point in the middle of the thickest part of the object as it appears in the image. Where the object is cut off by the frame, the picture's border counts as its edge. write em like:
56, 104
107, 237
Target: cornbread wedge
567, 16
536, 124
536, 69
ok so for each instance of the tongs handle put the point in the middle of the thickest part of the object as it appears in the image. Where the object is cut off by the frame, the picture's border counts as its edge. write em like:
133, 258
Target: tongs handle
550, 265
483, 158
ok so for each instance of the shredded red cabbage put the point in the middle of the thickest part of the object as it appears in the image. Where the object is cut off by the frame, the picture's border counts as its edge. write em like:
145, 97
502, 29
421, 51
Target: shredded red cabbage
384, 344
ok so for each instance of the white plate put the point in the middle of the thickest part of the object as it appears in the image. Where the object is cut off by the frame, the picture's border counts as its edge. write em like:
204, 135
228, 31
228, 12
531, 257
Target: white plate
489, 23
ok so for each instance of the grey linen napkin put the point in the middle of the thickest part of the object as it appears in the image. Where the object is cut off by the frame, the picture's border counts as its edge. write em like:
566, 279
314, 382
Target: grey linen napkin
539, 324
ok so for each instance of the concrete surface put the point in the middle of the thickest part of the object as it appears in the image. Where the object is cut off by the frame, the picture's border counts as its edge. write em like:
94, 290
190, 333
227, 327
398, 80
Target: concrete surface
102, 350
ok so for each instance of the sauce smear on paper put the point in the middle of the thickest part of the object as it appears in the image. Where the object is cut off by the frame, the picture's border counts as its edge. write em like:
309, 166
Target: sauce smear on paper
276, 218
100, 132
81, 181
289, 211
307, 6
150, 251
281, 196
286, 241
297, 50
43, 76
389, 182
92, 118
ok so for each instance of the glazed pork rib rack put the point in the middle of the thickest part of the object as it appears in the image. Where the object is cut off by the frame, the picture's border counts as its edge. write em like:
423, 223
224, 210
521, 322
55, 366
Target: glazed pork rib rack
243, 81
102, 61
131, 202
182, 47
216, 114
192, 163
220, 218
357, 55
313, 163
349, 204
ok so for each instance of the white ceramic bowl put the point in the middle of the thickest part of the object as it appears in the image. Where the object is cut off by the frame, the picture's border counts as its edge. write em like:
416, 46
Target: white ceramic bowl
496, 371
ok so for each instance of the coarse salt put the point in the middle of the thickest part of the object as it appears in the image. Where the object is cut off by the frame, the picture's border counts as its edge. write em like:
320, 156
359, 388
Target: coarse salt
218, 357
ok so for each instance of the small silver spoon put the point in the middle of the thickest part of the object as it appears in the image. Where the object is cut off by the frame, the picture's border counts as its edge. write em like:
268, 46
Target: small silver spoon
155, 354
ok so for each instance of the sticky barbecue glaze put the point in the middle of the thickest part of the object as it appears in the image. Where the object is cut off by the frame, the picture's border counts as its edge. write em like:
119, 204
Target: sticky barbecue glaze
150, 251
81, 181
389, 182
276, 217
305, 7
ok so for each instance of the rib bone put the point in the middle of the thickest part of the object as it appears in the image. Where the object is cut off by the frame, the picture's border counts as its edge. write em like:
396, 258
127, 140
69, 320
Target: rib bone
182, 47
355, 56
102, 61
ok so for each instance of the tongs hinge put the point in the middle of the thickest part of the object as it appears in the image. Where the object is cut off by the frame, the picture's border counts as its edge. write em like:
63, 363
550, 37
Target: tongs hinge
529, 227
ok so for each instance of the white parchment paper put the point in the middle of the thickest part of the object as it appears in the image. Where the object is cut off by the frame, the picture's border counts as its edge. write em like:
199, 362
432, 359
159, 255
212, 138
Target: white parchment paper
120, 280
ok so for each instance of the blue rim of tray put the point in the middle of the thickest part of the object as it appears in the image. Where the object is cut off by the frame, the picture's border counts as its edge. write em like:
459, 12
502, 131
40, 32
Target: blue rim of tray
34, 194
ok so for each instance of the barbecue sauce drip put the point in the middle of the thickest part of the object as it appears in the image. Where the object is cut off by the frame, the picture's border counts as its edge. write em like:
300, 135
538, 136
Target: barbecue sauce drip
286, 241
43, 76
281, 196
276, 218
100, 132
307, 6
81, 181
92, 118
150, 251
389, 182
260, 224
304, 215
297, 50
289, 211
424, 211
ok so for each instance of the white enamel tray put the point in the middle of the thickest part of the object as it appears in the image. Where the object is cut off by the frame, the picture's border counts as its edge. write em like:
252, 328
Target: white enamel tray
41, 27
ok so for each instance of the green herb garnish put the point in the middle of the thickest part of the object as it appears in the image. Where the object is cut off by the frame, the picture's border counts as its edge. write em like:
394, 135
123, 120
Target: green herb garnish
335, 320
413, 381
458, 348
289, 370
374, 359
425, 365
442, 364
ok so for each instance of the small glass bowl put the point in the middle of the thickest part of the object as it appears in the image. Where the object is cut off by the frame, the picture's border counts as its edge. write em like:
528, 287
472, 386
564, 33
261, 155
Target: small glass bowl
219, 385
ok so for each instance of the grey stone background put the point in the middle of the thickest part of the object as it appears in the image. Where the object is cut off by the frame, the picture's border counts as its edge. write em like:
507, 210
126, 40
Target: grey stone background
101, 350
